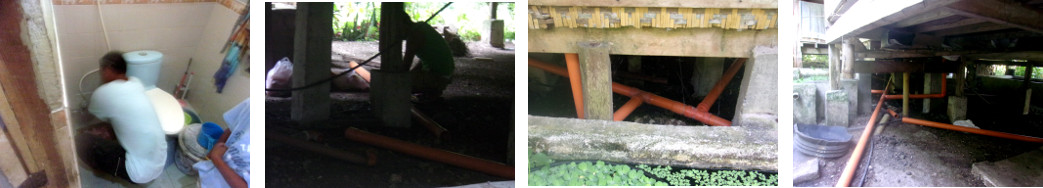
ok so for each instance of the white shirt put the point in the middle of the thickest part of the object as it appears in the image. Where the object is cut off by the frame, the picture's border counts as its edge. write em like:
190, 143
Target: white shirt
123, 104
238, 155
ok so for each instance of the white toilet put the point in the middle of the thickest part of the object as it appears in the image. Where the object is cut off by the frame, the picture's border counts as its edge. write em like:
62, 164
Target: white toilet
146, 66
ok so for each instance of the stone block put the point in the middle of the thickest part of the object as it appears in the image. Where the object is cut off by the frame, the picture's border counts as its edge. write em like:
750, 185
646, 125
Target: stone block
837, 106
850, 87
805, 168
804, 111
957, 108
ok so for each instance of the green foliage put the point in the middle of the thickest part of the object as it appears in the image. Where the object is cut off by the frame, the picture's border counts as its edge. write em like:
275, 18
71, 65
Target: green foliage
815, 58
599, 173
810, 78
355, 21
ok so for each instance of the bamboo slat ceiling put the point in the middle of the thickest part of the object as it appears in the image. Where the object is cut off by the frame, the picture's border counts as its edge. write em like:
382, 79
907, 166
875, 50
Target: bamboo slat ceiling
544, 17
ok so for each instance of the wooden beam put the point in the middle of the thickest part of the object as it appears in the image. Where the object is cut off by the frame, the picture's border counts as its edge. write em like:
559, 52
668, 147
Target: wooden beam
596, 67
869, 15
1007, 56
835, 8
890, 66
656, 42
312, 62
1002, 12
932, 15
744, 4
972, 28
949, 25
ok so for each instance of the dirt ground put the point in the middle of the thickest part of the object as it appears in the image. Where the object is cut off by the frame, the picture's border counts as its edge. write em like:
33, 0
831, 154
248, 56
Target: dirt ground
477, 111
908, 155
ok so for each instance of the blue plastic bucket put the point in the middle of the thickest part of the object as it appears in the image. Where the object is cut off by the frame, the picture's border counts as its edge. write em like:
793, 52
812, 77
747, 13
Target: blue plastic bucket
209, 134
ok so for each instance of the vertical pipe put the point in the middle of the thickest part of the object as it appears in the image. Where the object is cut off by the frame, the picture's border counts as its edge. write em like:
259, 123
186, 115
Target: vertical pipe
905, 94
572, 62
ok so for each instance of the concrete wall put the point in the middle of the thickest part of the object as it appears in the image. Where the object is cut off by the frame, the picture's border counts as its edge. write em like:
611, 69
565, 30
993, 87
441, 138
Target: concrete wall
181, 31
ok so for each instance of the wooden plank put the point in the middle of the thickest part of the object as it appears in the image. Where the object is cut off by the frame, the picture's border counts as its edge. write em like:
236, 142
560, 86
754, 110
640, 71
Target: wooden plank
656, 42
10, 163
1002, 12
932, 15
950, 25
312, 57
766, 4
596, 67
869, 15
973, 28
890, 66
20, 141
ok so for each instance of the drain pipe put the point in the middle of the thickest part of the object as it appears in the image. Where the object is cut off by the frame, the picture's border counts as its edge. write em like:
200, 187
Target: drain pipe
967, 129
674, 106
370, 159
572, 63
856, 155
468, 162
431, 125
704, 106
627, 108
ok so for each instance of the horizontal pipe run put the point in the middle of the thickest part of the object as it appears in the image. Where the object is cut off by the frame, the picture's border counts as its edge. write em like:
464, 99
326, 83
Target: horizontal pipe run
468, 162
856, 155
370, 159
916, 96
674, 106
627, 108
718, 88
971, 130
572, 62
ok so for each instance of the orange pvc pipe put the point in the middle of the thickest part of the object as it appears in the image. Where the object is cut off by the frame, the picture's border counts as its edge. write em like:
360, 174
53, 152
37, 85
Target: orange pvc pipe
468, 162
674, 106
971, 130
919, 96
704, 106
370, 159
439, 131
627, 108
572, 62
361, 70
856, 156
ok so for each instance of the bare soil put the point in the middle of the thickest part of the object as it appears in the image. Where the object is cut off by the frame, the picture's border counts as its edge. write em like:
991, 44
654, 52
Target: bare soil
908, 155
476, 109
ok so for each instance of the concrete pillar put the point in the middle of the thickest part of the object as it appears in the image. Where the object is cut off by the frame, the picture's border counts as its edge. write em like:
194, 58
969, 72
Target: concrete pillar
834, 67
837, 108
960, 76
848, 54
758, 93
391, 87
957, 108
634, 66
707, 73
804, 103
927, 89
312, 63
1027, 84
865, 98
492, 32
596, 68
850, 87
905, 94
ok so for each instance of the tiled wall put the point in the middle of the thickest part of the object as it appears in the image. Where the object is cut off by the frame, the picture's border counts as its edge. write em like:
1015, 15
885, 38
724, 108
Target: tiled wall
207, 59
172, 27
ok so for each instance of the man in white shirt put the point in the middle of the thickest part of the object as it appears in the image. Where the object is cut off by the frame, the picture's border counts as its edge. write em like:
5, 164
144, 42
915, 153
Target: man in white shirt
138, 151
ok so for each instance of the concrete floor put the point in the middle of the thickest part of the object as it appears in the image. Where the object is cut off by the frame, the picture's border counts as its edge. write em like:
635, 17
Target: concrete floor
171, 177
912, 155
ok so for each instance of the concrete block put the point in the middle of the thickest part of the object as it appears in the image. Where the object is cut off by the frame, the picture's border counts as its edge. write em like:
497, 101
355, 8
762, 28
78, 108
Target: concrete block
758, 93
492, 32
805, 168
804, 111
865, 99
957, 108
1023, 170
837, 106
850, 86
390, 93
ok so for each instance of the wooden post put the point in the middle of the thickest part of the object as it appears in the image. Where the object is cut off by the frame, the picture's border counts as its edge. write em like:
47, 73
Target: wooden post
390, 90
834, 67
311, 62
1027, 84
594, 62
905, 94
493, 7
848, 54
961, 76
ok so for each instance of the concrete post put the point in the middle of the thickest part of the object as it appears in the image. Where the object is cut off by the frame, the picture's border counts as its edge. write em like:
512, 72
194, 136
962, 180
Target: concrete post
927, 89
850, 87
312, 63
804, 103
834, 67
957, 108
1027, 84
596, 68
708, 71
837, 108
390, 90
758, 93
905, 94
848, 53
492, 32
865, 99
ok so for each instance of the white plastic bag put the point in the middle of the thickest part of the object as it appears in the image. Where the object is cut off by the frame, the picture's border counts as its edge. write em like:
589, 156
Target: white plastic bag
280, 77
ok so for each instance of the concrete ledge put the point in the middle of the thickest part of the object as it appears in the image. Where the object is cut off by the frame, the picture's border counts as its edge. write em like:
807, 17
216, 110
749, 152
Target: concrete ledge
628, 142
1023, 170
